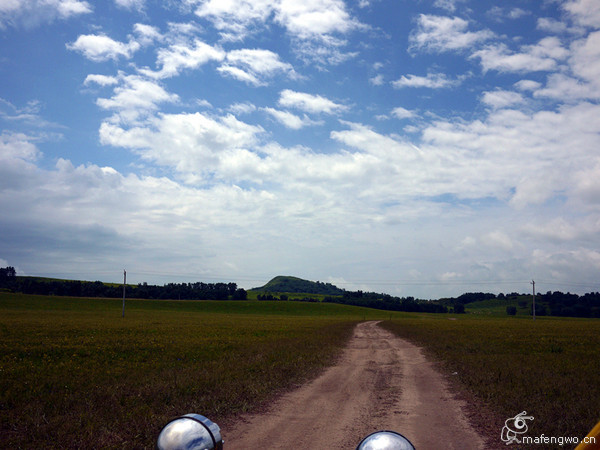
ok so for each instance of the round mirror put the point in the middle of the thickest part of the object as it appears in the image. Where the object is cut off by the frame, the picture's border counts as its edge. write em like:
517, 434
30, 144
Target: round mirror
385, 440
190, 432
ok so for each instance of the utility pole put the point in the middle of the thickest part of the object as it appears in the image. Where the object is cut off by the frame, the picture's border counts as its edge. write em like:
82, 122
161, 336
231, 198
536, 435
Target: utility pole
124, 283
533, 283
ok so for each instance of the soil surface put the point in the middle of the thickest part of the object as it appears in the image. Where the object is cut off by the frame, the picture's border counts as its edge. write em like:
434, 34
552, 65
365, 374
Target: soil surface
381, 382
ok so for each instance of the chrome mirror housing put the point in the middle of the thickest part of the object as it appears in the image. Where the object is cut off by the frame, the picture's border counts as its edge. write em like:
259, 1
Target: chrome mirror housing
385, 440
190, 432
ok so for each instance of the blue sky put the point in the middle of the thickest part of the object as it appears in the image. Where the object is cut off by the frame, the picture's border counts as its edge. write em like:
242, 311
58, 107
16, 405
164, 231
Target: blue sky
422, 148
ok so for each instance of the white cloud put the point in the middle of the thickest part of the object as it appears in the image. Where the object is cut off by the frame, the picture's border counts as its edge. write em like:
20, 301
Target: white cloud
102, 80
135, 97
99, 47
497, 239
314, 18
30, 13
402, 113
587, 185
495, 157
568, 89
432, 80
499, 14
377, 80
322, 52
551, 25
559, 230
309, 103
440, 34
147, 34
314, 26
448, 5
584, 80
528, 85
235, 18
543, 56
502, 99
242, 108
195, 145
584, 12
305, 20
178, 57
255, 66
18, 146
585, 59
131, 4
290, 120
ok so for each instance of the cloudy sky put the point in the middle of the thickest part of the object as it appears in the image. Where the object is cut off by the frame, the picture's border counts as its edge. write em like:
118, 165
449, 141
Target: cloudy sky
415, 147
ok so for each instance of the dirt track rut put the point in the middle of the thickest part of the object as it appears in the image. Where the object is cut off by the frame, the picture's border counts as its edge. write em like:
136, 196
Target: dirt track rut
380, 382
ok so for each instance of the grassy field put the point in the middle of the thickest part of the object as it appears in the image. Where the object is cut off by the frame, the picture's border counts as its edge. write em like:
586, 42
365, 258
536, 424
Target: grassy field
73, 373
550, 367
497, 307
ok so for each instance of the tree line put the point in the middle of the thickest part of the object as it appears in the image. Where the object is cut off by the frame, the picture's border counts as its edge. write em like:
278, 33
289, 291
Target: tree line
549, 304
72, 288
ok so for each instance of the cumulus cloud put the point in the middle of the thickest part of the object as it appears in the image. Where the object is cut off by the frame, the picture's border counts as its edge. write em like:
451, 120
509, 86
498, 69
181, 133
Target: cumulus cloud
543, 56
500, 14
314, 27
439, 34
195, 145
584, 12
502, 99
402, 113
30, 13
290, 120
448, 5
432, 81
102, 80
310, 103
131, 4
134, 97
99, 47
235, 19
179, 57
305, 20
314, 18
255, 66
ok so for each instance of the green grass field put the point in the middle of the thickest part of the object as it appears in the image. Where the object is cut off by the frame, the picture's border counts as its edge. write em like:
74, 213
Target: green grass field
550, 367
73, 373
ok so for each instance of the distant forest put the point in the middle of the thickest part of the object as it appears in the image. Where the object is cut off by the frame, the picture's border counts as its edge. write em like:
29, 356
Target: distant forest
551, 303
170, 291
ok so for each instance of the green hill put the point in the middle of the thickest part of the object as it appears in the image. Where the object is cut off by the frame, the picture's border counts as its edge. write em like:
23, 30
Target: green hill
298, 285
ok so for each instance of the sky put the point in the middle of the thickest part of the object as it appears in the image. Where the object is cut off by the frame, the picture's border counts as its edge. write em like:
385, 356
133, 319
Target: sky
415, 147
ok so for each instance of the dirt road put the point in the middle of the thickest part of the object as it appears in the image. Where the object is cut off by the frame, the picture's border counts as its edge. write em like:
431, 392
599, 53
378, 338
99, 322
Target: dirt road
380, 382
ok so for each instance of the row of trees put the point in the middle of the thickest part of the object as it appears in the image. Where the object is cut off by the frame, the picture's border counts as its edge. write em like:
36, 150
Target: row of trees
549, 304
390, 303
170, 291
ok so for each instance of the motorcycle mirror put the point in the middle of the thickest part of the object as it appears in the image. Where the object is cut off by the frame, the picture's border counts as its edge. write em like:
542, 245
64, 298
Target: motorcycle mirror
190, 432
385, 440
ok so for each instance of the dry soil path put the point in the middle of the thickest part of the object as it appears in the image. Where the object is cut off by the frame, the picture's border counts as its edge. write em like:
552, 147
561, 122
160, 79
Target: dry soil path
380, 382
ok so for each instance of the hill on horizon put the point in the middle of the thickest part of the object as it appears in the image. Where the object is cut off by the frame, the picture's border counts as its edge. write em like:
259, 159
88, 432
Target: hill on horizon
291, 284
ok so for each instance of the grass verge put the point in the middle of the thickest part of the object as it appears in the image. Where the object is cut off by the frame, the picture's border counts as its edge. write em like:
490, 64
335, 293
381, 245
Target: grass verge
550, 367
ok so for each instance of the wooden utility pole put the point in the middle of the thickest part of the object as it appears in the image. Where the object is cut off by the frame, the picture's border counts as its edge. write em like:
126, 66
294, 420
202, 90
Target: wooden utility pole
533, 283
124, 283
